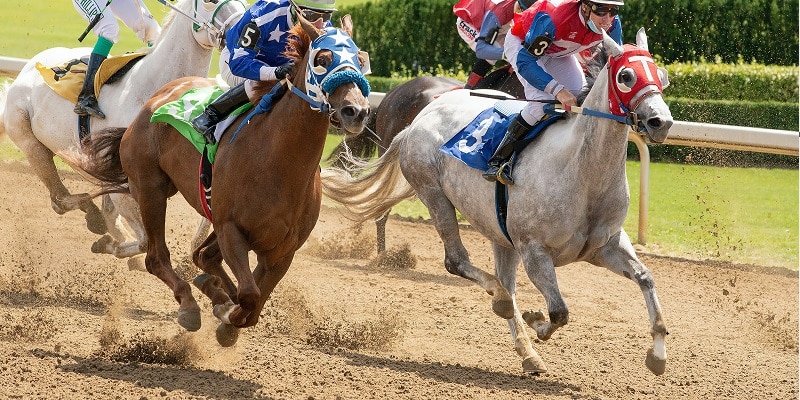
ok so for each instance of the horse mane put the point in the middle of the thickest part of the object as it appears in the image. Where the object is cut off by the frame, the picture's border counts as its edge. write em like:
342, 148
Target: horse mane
296, 48
593, 69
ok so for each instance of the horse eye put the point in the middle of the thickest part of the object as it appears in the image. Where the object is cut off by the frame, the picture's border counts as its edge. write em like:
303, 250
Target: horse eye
323, 59
626, 79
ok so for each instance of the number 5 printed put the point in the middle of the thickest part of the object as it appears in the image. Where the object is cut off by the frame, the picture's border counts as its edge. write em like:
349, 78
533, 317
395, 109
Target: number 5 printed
250, 35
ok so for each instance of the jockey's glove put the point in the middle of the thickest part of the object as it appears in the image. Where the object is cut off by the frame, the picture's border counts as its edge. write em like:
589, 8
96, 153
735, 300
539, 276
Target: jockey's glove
283, 70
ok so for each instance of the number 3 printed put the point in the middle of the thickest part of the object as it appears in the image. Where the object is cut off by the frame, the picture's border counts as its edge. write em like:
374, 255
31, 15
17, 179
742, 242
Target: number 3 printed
539, 45
250, 35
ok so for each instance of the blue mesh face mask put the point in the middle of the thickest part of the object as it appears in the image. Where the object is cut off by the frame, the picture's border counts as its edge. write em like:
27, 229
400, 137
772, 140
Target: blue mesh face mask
321, 81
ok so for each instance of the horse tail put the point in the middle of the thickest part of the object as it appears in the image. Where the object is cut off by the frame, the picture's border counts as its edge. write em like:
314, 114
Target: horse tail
361, 146
368, 189
102, 149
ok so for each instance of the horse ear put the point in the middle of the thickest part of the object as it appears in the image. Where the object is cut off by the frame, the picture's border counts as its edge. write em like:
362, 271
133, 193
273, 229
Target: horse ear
613, 49
641, 39
347, 25
309, 27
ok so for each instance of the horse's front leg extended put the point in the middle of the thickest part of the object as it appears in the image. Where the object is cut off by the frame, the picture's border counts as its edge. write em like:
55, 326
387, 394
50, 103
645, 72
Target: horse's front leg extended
618, 256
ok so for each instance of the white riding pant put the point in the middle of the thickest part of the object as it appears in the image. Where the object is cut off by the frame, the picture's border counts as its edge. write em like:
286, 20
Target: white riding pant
225, 69
133, 13
566, 70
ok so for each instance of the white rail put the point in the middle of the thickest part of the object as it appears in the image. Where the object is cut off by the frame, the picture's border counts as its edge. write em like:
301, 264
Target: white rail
682, 133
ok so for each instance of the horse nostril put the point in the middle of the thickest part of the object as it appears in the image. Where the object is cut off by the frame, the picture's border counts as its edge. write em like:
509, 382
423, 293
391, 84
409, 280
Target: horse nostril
655, 123
355, 113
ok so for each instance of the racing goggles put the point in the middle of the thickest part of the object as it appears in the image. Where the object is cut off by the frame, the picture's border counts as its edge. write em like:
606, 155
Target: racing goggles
313, 15
603, 10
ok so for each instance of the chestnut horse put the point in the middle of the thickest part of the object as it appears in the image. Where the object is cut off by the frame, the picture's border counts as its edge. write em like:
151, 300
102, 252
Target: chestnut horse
266, 179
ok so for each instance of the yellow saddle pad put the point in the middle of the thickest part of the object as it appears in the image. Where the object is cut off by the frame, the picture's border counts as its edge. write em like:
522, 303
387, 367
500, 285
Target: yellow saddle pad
67, 78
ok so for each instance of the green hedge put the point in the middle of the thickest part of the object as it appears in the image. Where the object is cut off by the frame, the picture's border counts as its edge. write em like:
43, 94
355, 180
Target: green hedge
745, 82
729, 30
409, 37
769, 115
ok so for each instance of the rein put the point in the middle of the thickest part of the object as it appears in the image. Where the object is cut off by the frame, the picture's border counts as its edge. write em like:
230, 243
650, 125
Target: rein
629, 119
319, 80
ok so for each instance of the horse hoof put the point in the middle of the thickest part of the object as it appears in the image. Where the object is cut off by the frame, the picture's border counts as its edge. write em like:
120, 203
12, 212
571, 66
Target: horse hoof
96, 224
100, 246
533, 365
189, 320
227, 335
533, 318
136, 264
655, 365
503, 308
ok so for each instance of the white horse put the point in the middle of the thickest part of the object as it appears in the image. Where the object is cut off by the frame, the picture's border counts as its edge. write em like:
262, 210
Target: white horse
568, 204
42, 124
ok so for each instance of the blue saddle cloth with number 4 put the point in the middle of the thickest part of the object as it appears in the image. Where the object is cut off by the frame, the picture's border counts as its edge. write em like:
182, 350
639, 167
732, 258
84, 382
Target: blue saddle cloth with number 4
475, 144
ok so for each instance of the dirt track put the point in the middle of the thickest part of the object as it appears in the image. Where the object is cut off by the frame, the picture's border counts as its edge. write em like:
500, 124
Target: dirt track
78, 325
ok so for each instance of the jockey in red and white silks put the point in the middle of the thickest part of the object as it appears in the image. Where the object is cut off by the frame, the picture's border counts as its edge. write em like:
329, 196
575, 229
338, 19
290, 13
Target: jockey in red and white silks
481, 18
545, 43
483, 25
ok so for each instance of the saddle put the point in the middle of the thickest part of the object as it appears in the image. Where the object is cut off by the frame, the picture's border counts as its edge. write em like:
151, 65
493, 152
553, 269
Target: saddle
67, 78
180, 113
475, 144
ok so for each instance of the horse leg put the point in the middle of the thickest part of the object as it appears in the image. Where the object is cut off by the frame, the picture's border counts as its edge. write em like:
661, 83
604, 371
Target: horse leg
541, 271
618, 256
233, 245
267, 277
41, 160
506, 261
208, 258
153, 205
456, 256
380, 227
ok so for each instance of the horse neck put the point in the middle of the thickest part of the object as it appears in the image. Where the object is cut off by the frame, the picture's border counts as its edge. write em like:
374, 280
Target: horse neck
604, 140
291, 129
176, 54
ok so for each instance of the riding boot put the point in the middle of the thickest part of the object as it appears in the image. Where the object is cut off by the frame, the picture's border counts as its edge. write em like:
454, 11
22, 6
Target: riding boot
479, 69
87, 102
497, 169
218, 110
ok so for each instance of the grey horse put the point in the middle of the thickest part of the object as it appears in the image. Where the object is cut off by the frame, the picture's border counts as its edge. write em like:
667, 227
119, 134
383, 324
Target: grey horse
568, 204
